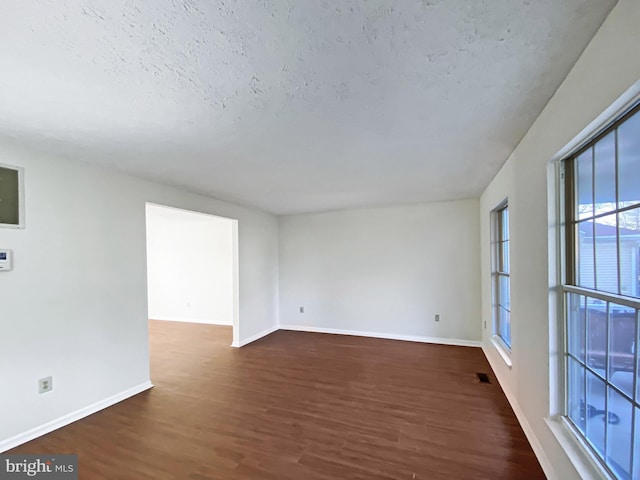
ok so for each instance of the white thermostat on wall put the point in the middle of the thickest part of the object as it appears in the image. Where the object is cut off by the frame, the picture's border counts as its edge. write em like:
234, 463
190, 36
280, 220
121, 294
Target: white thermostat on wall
5, 260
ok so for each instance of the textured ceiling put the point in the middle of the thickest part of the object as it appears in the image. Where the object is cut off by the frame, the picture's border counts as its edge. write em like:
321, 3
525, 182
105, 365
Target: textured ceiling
290, 106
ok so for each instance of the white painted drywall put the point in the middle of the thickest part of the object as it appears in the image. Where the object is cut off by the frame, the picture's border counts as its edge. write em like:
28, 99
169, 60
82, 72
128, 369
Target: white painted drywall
608, 67
75, 304
386, 271
190, 266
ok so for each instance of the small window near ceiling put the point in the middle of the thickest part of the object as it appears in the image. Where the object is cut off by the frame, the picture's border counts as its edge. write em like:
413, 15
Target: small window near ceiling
501, 282
11, 210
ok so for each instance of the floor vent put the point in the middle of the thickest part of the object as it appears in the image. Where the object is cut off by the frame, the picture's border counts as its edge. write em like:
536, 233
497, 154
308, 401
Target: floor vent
483, 377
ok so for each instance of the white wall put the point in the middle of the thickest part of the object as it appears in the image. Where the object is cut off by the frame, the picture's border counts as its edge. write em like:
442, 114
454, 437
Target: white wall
385, 271
608, 67
190, 266
75, 305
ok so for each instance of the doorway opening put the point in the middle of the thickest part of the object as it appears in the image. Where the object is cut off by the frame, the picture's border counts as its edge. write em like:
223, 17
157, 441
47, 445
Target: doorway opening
192, 267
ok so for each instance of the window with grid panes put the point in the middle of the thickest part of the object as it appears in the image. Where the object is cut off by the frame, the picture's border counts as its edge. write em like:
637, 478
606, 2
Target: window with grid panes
501, 283
602, 295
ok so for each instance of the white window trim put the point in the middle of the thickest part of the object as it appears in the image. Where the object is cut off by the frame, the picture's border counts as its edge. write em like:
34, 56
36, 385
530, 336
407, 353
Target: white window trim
582, 458
580, 455
502, 349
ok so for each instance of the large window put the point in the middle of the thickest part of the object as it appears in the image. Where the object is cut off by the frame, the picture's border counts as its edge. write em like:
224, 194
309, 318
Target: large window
501, 287
602, 295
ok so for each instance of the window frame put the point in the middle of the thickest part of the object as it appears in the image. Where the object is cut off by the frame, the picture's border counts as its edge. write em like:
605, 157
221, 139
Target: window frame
568, 257
497, 273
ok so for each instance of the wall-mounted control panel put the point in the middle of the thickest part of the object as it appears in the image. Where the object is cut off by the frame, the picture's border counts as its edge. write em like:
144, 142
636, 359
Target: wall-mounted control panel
6, 260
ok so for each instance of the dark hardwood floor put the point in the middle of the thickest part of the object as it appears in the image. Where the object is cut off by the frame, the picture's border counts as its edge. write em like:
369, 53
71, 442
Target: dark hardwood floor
302, 406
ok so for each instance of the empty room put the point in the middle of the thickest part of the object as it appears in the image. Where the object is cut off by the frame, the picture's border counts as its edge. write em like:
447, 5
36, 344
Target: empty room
320, 240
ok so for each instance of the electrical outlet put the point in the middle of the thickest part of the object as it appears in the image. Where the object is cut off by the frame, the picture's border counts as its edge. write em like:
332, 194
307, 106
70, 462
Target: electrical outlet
437, 317
45, 384
301, 309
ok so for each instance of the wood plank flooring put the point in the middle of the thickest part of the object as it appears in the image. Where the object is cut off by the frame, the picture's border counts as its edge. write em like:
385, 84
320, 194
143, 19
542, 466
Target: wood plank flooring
302, 406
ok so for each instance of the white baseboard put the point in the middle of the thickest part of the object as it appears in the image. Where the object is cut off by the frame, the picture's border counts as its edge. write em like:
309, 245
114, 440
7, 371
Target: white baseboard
189, 320
546, 465
255, 337
65, 420
389, 336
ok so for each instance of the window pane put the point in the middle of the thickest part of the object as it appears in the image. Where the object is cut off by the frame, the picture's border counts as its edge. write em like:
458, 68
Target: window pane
619, 421
596, 334
622, 331
584, 184
576, 404
505, 224
629, 244
605, 174
629, 162
504, 267
505, 294
606, 254
584, 251
595, 411
576, 324
505, 326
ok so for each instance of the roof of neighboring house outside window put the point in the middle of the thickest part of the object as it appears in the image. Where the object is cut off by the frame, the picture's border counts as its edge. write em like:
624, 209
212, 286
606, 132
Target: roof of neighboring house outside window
604, 230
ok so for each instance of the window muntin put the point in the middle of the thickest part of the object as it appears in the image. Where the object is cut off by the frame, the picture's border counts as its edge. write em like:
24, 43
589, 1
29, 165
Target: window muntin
501, 280
602, 295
